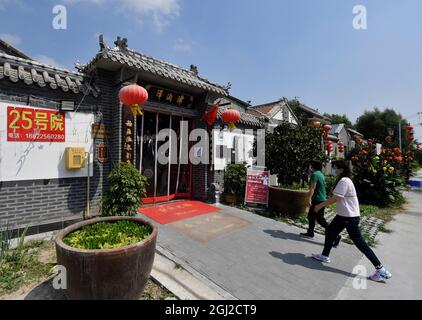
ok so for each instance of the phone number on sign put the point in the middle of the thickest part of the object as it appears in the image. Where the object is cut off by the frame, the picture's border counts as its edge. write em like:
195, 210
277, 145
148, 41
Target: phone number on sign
44, 136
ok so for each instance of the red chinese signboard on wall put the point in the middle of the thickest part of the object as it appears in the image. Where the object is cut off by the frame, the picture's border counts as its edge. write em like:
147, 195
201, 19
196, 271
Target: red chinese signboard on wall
25, 124
257, 189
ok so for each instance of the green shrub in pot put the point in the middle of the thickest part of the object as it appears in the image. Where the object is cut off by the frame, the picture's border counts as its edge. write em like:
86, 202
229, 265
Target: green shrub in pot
235, 181
126, 188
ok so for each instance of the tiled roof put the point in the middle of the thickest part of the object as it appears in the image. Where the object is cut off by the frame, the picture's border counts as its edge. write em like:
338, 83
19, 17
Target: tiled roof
30, 72
155, 66
245, 118
355, 132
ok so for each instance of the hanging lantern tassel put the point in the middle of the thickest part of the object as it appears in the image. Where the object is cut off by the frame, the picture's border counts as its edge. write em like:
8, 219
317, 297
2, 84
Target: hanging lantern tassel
136, 110
231, 126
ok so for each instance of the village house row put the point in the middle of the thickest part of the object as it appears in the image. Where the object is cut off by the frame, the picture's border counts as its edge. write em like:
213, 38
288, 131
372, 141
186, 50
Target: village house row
81, 111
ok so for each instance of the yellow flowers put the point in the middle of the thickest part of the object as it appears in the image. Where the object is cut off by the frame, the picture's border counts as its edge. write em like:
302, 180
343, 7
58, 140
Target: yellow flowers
391, 169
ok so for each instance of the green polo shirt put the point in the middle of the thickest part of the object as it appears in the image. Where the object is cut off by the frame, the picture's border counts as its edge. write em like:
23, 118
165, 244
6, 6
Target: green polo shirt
320, 194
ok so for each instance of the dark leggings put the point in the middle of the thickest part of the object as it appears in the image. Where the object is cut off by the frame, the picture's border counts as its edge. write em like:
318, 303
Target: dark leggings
316, 216
352, 226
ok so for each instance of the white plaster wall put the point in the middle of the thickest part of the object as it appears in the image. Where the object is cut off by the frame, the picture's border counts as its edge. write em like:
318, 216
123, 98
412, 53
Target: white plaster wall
43, 160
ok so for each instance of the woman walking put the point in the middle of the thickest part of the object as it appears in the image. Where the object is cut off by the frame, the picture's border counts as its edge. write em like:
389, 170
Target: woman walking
348, 216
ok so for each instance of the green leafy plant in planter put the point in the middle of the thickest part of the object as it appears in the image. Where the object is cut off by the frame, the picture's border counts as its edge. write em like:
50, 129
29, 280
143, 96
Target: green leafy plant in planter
108, 235
126, 188
288, 151
235, 182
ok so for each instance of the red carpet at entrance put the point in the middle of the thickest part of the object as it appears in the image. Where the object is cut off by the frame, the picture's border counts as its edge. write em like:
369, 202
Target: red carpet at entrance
177, 211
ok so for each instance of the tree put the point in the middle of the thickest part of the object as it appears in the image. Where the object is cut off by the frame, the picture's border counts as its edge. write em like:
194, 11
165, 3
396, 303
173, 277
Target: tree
289, 149
337, 119
375, 124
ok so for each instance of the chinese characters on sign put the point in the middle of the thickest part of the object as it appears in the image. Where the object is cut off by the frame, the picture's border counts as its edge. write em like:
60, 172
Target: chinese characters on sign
25, 124
128, 136
257, 187
170, 97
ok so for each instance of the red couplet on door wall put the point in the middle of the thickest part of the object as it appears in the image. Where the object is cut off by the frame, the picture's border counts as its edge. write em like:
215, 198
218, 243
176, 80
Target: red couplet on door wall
257, 187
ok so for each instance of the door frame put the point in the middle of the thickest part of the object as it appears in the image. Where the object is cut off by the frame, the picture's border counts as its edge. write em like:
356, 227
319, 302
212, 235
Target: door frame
168, 197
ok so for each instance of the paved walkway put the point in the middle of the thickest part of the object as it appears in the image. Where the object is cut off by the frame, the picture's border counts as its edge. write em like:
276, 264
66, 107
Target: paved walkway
264, 259
259, 258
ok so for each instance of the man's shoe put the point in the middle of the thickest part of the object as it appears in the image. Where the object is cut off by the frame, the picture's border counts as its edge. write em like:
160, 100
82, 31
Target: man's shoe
321, 258
337, 242
307, 235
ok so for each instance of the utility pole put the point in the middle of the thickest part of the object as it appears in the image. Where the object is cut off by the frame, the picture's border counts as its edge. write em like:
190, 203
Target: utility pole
400, 144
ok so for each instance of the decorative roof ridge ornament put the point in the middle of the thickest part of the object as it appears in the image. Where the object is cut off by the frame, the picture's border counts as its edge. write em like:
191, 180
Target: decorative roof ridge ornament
228, 86
102, 43
121, 43
194, 69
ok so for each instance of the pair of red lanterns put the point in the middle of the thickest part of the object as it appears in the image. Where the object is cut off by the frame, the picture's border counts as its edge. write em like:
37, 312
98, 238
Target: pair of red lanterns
135, 96
409, 133
341, 147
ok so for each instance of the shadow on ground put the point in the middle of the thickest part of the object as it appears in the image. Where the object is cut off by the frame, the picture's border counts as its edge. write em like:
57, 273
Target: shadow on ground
290, 236
299, 259
45, 291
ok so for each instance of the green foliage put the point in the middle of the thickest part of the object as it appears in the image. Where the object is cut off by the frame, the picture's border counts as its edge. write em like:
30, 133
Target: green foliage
126, 188
418, 157
235, 179
379, 178
368, 210
289, 149
19, 265
337, 119
375, 124
108, 235
330, 181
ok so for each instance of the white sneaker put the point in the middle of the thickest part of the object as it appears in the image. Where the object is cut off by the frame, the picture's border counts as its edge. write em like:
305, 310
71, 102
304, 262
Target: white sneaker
321, 258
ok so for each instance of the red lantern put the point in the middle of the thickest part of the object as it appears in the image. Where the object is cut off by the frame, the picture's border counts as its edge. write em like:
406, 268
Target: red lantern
133, 96
231, 116
340, 147
330, 146
327, 127
325, 135
388, 138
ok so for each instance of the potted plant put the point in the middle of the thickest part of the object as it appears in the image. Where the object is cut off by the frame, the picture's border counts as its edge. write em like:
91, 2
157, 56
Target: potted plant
288, 151
234, 183
110, 257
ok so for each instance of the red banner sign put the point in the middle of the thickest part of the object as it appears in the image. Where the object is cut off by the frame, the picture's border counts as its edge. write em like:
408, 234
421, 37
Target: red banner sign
25, 124
257, 187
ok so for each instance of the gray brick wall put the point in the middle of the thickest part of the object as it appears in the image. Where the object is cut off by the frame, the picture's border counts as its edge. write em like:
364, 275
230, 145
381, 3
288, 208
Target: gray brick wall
29, 203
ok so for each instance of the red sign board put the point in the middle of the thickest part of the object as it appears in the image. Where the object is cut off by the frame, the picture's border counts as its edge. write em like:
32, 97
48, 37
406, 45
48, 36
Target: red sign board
257, 187
25, 124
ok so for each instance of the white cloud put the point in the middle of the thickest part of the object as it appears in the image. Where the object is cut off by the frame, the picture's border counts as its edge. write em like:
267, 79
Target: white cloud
183, 45
47, 60
14, 40
159, 11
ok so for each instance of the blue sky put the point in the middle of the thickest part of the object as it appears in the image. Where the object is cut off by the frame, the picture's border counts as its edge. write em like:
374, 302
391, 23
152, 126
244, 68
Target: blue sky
267, 49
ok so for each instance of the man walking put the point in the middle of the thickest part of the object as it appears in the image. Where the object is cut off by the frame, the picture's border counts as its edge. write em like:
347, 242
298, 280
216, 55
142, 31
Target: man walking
317, 195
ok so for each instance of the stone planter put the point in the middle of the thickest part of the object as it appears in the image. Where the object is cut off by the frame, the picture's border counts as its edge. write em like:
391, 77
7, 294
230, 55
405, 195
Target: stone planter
292, 203
112, 274
231, 199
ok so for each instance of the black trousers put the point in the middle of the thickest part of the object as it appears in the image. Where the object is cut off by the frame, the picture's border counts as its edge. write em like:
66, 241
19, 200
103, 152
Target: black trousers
314, 217
352, 226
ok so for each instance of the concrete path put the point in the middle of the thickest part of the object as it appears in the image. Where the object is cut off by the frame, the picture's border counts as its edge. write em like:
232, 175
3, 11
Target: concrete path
401, 253
264, 259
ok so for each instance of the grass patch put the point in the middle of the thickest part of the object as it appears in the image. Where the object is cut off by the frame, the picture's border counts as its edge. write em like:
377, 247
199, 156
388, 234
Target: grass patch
108, 235
24, 265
